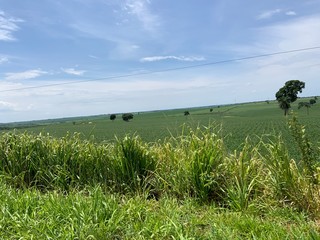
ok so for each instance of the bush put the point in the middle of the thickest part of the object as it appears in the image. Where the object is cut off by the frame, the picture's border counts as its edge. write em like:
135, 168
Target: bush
127, 116
113, 117
312, 101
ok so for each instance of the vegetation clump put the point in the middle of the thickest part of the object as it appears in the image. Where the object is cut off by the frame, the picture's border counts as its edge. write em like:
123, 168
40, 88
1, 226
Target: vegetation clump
127, 116
113, 117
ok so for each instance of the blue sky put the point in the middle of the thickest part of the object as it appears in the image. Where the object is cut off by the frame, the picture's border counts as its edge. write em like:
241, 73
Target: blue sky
53, 42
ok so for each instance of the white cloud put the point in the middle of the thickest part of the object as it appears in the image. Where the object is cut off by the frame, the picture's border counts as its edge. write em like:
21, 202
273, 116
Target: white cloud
291, 13
178, 58
8, 25
294, 34
73, 71
269, 14
154, 85
93, 56
24, 75
140, 9
3, 59
6, 106
269, 73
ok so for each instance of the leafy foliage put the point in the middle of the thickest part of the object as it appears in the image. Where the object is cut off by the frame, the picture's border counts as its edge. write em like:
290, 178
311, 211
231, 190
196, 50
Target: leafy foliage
127, 116
113, 117
312, 101
289, 93
307, 105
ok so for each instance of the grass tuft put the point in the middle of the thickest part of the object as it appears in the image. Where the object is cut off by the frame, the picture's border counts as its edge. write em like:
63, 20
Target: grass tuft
134, 164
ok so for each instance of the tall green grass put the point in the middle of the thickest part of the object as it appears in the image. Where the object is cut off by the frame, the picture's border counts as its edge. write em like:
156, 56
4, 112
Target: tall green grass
48, 163
247, 178
93, 213
196, 164
207, 155
134, 164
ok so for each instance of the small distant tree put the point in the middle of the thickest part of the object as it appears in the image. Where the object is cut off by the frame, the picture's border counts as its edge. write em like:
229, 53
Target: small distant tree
186, 113
127, 116
113, 117
211, 109
307, 105
288, 94
267, 101
312, 101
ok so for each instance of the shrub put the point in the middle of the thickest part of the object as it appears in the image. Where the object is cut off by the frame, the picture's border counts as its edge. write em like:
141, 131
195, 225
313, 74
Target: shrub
113, 117
127, 116
312, 101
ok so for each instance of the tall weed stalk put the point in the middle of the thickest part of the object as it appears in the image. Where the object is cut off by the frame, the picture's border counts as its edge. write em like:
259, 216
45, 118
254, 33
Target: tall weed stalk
310, 157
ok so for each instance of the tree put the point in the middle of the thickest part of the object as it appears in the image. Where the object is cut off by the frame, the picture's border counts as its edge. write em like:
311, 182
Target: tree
127, 116
304, 104
288, 94
186, 113
113, 117
312, 101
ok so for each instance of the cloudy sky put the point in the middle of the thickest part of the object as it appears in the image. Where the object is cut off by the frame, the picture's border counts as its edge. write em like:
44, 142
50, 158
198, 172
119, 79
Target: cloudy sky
62, 58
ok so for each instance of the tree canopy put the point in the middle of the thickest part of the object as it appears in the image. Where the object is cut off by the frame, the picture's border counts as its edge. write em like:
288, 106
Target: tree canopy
288, 94
307, 105
113, 117
312, 101
127, 116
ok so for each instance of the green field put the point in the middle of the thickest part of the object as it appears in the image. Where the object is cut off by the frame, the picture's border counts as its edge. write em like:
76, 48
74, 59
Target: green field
236, 121
165, 176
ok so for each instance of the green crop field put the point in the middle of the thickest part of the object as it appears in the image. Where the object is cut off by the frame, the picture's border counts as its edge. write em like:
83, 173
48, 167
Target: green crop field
236, 122
164, 175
